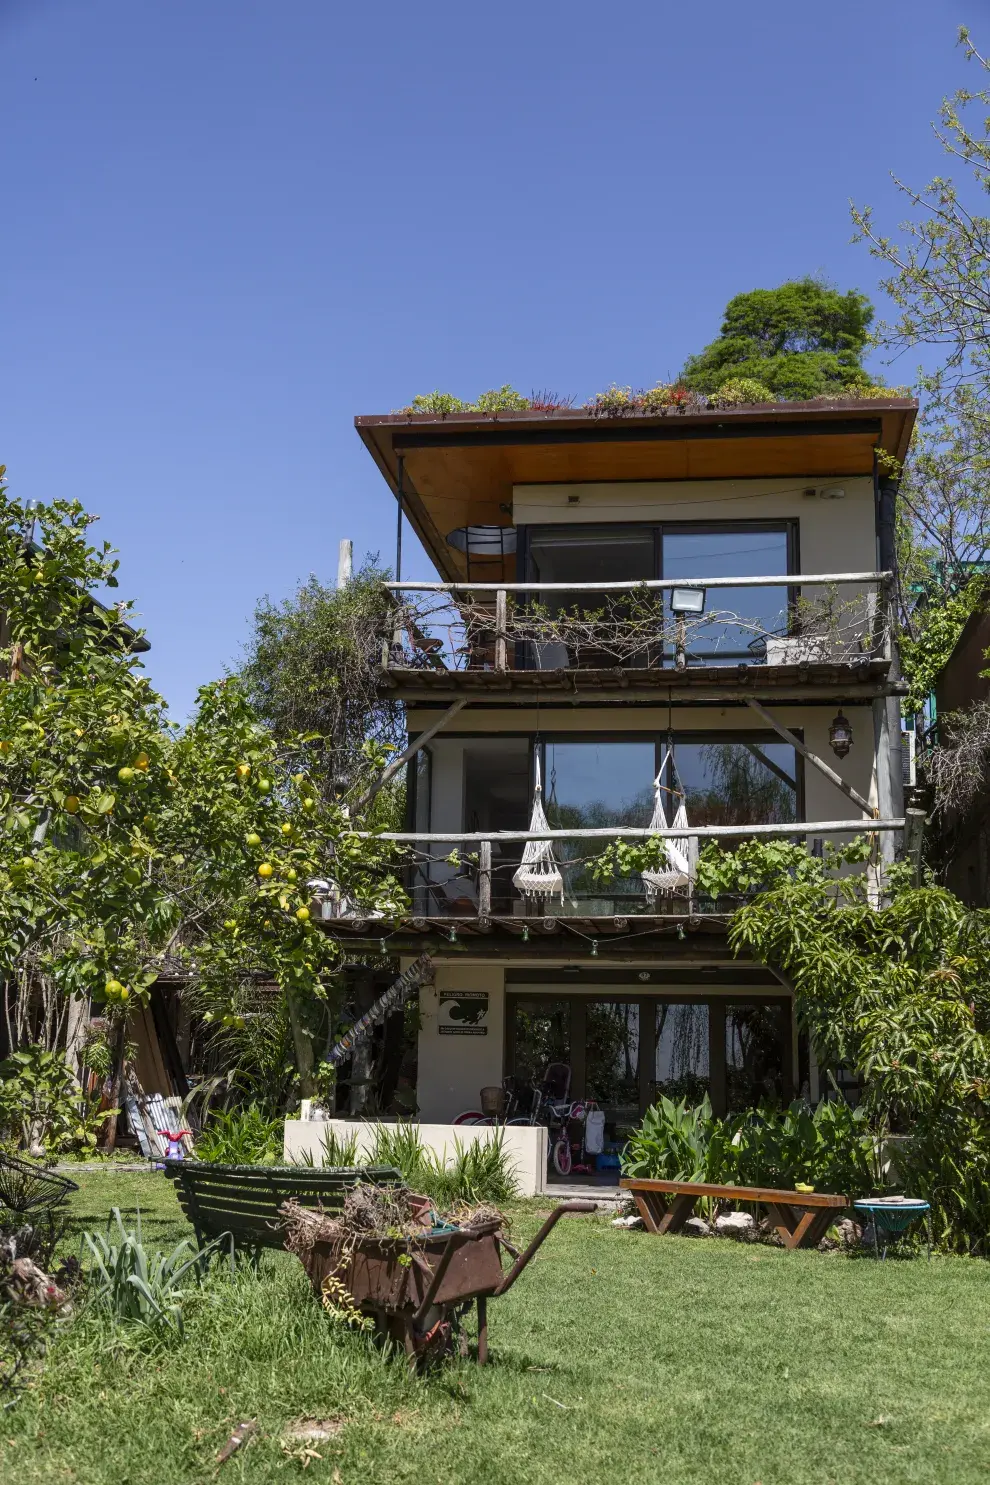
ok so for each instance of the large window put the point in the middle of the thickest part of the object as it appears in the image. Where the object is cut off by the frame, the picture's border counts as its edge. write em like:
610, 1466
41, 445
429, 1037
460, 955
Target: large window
744, 550
589, 785
737, 621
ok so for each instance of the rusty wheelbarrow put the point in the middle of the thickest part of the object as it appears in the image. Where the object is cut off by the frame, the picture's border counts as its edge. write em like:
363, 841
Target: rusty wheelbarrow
416, 1288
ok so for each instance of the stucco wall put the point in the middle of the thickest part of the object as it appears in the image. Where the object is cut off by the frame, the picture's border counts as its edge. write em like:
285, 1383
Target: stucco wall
452, 1069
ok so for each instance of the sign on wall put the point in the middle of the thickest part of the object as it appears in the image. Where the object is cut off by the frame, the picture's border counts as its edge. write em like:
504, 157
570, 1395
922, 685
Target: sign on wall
463, 1013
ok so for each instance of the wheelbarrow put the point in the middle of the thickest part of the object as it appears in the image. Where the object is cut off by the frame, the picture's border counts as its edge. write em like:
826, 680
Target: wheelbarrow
415, 1289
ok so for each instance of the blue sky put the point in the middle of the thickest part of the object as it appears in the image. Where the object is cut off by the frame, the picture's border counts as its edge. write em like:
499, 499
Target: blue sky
230, 225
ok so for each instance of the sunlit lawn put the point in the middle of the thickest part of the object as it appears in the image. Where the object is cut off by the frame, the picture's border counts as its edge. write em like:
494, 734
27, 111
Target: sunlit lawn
618, 1356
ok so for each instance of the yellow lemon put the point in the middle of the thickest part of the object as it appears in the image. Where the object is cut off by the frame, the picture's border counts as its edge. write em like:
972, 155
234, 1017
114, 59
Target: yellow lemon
72, 804
253, 839
286, 828
302, 914
125, 775
243, 770
141, 761
265, 869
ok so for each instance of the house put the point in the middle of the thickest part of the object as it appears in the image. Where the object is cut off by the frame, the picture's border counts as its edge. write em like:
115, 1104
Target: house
697, 596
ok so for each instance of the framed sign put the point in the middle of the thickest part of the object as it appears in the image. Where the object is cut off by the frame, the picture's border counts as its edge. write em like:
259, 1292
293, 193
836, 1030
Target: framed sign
463, 1013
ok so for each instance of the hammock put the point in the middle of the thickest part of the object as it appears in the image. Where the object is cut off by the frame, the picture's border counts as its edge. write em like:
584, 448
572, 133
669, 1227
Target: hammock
681, 854
538, 874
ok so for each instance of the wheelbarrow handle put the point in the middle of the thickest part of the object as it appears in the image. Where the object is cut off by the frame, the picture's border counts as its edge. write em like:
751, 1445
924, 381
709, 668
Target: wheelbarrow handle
509, 1278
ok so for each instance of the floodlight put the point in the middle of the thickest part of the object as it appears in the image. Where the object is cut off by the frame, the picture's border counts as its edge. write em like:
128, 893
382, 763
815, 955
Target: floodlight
685, 601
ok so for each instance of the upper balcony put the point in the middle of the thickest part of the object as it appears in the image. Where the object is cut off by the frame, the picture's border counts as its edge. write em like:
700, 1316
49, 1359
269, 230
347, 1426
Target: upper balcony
675, 637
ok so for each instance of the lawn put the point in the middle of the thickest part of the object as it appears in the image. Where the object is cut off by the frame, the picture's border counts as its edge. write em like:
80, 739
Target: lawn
618, 1356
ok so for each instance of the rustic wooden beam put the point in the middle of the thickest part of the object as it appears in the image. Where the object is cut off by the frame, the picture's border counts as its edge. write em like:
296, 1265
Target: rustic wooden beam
634, 832
813, 758
407, 753
776, 580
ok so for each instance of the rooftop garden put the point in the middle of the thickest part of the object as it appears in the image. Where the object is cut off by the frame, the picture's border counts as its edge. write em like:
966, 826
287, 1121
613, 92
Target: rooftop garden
800, 342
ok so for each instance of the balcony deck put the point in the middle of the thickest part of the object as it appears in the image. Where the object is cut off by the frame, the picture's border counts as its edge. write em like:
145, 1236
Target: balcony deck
864, 678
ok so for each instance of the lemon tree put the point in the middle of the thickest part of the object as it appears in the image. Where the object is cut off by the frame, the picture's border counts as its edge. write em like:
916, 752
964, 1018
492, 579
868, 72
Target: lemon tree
128, 843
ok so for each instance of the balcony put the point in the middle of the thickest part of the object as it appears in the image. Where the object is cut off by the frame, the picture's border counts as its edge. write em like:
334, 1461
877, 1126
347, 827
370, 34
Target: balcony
473, 899
808, 632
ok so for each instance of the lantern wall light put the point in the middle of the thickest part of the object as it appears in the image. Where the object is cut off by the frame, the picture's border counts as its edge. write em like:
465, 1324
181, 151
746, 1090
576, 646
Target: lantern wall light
840, 735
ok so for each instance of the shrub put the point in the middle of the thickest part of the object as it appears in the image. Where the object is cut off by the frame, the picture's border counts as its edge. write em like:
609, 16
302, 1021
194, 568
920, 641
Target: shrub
613, 403
437, 404
505, 399
246, 1136
42, 1106
669, 394
481, 1171
831, 1147
742, 391
136, 1288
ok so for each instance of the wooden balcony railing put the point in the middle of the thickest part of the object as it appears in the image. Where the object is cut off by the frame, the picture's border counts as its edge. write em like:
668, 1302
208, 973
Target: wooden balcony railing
637, 625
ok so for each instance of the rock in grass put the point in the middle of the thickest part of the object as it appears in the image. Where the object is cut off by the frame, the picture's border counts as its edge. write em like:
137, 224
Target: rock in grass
631, 1221
696, 1227
735, 1224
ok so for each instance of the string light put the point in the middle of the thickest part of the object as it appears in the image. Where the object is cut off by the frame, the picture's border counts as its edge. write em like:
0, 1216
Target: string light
594, 948
525, 935
452, 936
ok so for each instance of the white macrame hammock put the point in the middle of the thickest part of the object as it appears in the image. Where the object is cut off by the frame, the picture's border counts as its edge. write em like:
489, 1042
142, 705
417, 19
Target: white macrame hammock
538, 874
681, 854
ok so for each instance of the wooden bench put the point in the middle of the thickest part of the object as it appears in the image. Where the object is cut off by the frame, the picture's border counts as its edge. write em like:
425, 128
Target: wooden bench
801, 1217
244, 1200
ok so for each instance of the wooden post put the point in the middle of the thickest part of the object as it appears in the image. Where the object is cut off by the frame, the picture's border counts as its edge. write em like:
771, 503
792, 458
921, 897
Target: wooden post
814, 759
345, 563
485, 879
501, 661
914, 840
680, 652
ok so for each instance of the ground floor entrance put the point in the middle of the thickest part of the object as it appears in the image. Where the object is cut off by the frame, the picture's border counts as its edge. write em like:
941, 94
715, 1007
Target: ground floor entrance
626, 1050
628, 1035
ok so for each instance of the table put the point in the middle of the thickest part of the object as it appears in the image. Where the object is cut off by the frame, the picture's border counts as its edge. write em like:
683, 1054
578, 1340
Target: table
894, 1214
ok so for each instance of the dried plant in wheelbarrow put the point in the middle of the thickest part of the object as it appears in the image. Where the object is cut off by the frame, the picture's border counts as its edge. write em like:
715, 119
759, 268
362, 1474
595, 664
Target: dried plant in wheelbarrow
390, 1262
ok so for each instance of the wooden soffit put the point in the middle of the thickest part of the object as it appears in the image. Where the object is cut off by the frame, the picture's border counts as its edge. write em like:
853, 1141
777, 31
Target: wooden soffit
460, 470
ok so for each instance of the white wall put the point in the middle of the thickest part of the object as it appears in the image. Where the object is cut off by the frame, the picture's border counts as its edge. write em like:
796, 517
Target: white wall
453, 1069
525, 1145
835, 535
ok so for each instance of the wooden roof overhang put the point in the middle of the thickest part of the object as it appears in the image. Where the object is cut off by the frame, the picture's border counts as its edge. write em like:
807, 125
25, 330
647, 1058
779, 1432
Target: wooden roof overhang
862, 680
460, 470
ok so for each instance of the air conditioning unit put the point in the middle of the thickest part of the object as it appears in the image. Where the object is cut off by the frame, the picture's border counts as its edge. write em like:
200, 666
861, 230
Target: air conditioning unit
909, 758
798, 649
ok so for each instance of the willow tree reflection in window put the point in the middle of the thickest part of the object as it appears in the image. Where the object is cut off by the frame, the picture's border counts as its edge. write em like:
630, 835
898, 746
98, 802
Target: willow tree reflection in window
741, 550
738, 783
612, 1057
541, 1034
681, 1067
588, 785
754, 1054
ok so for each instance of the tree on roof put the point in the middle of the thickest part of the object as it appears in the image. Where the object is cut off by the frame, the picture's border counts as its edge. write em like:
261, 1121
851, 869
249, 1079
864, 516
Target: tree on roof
803, 339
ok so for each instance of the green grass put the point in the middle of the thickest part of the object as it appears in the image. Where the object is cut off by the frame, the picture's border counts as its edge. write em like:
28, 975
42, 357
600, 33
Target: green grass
618, 1356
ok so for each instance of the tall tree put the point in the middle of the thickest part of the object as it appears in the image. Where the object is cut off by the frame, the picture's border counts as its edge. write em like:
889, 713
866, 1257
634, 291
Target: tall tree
939, 279
803, 339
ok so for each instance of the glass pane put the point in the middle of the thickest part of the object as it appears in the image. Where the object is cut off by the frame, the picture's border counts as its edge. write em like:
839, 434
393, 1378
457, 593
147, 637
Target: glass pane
734, 783
754, 1054
590, 784
591, 554
542, 1034
757, 612
681, 1068
612, 1058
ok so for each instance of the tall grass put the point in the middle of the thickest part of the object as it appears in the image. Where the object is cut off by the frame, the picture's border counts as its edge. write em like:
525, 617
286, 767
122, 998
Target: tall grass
480, 1171
246, 1136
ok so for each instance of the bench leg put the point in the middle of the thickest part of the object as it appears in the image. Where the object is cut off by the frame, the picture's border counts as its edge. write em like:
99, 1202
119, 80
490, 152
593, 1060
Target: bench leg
801, 1229
681, 1209
652, 1208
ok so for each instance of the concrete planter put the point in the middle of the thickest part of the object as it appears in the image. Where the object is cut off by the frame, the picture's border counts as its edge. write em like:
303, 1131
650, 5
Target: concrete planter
525, 1144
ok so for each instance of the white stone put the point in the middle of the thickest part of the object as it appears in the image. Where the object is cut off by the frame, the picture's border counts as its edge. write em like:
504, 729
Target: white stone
696, 1227
628, 1222
735, 1224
